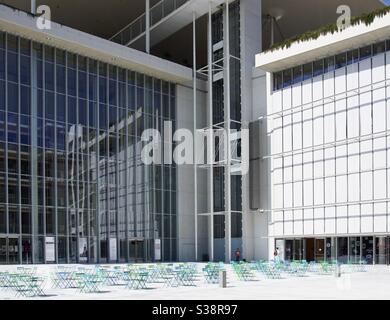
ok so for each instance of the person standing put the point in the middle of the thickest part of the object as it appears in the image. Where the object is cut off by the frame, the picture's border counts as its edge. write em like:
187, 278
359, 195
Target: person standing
238, 255
277, 255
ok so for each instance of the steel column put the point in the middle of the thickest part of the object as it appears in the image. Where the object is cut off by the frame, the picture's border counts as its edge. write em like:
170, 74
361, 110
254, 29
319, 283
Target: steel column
147, 27
210, 147
33, 6
228, 205
194, 132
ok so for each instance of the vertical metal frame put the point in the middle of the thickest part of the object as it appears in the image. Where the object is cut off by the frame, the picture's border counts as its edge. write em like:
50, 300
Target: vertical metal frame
33, 6
44, 148
19, 206
127, 224
147, 27
68, 237
55, 211
107, 166
228, 204
89, 237
117, 178
194, 71
77, 171
98, 249
210, 147
33, 153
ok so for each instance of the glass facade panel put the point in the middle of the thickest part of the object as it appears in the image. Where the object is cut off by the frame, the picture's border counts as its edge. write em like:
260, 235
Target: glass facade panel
342, 250
289, 247
354, 249
345, 250
297, 74
368, 249
381, 250
69, 168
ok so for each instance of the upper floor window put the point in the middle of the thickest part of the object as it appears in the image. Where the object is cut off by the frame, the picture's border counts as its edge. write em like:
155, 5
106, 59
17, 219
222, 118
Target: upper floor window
297, 74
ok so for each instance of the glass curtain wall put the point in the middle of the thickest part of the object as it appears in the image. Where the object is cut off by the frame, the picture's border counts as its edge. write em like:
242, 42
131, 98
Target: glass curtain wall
73, 187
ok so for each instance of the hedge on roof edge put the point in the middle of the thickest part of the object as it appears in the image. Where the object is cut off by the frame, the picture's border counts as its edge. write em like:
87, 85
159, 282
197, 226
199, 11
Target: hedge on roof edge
366, 18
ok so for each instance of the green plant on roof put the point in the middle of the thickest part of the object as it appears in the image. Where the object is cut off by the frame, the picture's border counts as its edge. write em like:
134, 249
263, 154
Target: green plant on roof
366, 18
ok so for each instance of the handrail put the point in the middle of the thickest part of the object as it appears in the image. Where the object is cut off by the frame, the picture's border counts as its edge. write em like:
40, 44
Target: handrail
137, 27
133, 22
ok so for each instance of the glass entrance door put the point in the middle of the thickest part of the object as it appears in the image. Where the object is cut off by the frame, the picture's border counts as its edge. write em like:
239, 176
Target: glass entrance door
9, 250
320, 250
330, 249
309, 249
298, 249
136, 252
289, 250
382, 251
368, 249
3, 250
354, 249
13, 250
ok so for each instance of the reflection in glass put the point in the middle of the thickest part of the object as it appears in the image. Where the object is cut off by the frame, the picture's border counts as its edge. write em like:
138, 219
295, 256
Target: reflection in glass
354, 249
342, 250
381, 249
368, 249
289, 250
68, 129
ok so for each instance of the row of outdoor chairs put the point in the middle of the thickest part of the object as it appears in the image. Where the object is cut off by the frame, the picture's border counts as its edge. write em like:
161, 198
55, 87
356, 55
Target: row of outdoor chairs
243, 271
130, 276
211, 272
24, 282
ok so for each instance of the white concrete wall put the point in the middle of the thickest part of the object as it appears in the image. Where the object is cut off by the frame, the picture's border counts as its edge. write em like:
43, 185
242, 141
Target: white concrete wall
340, 189
260, 218
251, 39
185, 173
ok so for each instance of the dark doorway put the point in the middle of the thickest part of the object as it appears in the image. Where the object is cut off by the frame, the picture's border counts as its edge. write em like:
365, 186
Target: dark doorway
136, 252
310, 249
320, 250
289, 250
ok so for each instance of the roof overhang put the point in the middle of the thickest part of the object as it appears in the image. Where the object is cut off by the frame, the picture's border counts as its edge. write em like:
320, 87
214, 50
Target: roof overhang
295, 17
23, 24
307, 51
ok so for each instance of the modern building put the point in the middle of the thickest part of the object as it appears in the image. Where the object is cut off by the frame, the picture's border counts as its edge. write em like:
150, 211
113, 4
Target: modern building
77, 96
328, 120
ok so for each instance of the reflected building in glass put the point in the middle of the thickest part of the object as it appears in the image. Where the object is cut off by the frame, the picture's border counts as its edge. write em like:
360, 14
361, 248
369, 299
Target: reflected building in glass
73, 187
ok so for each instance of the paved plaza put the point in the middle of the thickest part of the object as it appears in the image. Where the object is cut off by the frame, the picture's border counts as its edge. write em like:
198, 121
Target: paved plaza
374, 283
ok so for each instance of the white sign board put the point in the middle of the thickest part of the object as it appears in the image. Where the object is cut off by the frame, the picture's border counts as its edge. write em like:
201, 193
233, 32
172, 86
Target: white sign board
50, 249
157, 249
113, 248
83, 250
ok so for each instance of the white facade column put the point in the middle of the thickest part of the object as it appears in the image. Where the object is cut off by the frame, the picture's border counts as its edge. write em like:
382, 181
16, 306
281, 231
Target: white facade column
253, 104
194, 133
33, 6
